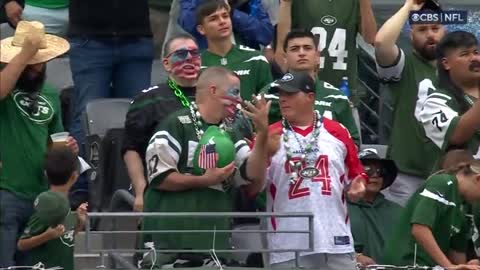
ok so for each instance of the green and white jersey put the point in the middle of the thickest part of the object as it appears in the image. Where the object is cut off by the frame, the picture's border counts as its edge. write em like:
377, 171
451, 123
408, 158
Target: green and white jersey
336, 25
23, 140
438, 205
439, 117
250, 65
408, 145
56, 252
172, 148
330, 102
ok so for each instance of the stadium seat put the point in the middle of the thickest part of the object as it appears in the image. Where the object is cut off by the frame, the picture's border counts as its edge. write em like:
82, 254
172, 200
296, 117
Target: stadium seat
104, 114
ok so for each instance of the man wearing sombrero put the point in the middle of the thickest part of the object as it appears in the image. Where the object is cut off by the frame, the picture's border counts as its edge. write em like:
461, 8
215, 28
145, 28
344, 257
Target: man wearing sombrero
372, 217
29, 113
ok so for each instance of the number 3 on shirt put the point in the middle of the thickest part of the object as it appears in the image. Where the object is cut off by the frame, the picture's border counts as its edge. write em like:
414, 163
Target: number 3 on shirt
297, 191
336, 48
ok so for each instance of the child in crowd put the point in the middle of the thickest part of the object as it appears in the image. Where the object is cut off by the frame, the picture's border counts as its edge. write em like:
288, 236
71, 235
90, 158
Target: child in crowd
49, 235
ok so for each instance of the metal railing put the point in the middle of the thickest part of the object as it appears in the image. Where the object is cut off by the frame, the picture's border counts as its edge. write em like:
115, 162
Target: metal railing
113, 252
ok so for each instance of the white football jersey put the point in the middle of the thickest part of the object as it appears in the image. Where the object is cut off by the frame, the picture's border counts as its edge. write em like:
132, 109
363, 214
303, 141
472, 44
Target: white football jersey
335, 158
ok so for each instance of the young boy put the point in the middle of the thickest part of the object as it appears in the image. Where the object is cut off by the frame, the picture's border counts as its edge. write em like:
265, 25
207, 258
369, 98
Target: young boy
49, 234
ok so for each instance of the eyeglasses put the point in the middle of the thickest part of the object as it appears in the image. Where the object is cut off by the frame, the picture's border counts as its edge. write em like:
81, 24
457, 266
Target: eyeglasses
182, 54
372, 171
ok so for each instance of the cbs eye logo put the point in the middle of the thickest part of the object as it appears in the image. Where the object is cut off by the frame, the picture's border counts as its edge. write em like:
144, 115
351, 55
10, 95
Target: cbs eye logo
415, 17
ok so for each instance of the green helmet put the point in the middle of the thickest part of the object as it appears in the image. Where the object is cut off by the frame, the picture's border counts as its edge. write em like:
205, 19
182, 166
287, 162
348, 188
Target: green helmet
215, 149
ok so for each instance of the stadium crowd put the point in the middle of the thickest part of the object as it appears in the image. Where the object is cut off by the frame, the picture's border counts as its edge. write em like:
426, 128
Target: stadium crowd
261, 100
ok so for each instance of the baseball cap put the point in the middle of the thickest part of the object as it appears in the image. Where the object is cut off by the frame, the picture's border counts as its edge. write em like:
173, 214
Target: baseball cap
389, 169
51, 208
294, 82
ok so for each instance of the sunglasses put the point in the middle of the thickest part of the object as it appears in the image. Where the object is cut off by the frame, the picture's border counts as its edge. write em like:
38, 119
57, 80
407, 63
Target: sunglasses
182, 54
373, 171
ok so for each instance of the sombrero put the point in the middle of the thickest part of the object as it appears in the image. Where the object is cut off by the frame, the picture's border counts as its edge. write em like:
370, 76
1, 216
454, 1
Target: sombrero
51, 46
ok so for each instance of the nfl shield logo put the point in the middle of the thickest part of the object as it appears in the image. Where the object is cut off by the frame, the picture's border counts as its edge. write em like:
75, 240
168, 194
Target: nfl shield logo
223, 61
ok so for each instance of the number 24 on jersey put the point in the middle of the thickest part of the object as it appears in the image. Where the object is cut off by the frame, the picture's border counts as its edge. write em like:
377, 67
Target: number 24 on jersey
336, 48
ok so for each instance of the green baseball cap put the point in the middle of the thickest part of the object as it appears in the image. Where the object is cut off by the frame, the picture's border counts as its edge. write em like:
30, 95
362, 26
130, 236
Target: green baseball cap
215, 149
51, 208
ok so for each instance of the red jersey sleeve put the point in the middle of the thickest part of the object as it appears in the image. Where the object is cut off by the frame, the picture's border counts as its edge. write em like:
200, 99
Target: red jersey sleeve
352, 162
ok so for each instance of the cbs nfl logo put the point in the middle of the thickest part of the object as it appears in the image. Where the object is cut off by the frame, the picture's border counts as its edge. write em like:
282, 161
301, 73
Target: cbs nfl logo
439, 17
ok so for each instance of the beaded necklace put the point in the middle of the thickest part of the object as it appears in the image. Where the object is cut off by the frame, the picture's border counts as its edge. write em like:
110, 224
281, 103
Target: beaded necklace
197, 123
296, 166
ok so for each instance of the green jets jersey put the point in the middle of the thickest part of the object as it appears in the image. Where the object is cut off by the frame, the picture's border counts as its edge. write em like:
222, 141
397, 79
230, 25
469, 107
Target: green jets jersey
23, 140
439, 116
172, 148
251, 66
408, 145
335, 24
330, 102
56, 252
438, 205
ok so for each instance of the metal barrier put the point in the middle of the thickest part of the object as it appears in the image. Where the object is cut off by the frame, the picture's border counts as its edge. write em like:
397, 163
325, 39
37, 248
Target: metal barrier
113, 252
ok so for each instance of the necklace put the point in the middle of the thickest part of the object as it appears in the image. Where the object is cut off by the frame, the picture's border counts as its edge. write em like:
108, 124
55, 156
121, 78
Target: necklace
197, 123
305, 159
178, 93
468, 99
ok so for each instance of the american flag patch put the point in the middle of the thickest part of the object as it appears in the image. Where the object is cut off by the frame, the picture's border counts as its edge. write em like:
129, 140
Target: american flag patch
208, 157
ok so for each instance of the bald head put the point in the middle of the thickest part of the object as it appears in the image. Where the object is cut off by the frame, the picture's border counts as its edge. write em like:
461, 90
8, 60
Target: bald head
214, 76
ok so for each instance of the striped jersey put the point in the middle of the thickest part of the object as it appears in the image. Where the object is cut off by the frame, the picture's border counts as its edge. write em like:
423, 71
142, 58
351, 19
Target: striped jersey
335, 163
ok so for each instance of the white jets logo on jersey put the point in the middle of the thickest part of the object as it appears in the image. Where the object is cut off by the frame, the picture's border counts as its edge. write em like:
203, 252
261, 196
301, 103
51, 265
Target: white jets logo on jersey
44, 112
328, 20
243, 72
67, 238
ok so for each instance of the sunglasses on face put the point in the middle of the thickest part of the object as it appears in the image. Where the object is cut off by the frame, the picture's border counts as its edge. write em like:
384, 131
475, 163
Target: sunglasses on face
372, 171
182, 54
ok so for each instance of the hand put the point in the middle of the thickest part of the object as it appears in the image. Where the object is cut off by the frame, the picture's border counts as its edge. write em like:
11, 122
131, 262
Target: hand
415, 4
82, 214
138, 203
54, 233
464, 267
215, 176
258, 112
474, 262
365, 260
72, 144
31, 45
357, 189
14, 12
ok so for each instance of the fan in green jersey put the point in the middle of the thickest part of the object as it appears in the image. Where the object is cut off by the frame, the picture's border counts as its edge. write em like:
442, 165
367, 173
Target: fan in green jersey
301, 55
336, 24
250, 65
403, 72
451, 114
433, 229
190, 157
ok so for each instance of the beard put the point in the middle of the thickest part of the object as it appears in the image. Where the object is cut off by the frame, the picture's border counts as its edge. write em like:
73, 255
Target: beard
31, 84
425, 51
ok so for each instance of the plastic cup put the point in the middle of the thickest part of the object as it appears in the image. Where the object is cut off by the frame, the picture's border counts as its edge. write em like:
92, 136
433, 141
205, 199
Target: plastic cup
59, 139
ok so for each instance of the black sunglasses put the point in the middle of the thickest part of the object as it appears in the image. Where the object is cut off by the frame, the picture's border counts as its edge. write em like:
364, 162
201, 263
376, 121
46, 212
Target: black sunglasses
372, 171
182, 54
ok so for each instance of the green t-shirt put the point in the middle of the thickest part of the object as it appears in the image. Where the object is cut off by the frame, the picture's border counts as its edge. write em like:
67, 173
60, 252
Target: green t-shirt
408, 145
439, 116
172, 148
330, 102
438, 205
23, 141
56, 252
372, 224
251, 66
48, 3
163, 5
336, 24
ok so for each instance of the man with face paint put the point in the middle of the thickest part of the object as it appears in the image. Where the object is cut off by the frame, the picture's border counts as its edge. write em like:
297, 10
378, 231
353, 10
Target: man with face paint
182, 62
403, 72
172, 155
451, 113
214, 22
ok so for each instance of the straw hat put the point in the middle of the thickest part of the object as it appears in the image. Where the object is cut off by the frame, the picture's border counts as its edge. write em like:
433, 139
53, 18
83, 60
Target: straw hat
50, 47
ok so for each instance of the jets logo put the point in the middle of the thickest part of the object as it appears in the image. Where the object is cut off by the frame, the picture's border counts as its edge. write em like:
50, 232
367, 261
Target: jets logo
287, 77
67, 238
328, 20
44, 112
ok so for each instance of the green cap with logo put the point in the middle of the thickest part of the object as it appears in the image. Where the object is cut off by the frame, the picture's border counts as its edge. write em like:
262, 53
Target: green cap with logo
215, 150
51, 208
